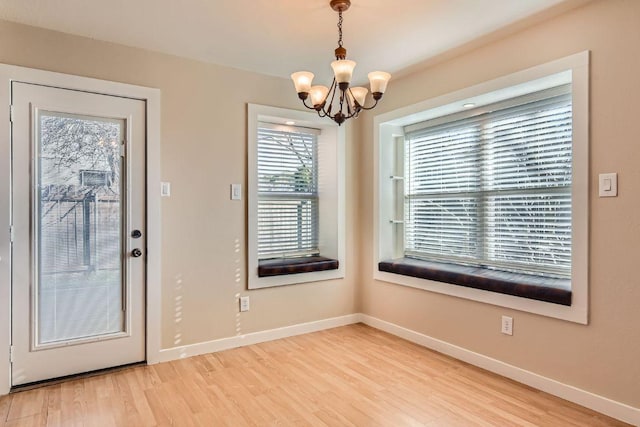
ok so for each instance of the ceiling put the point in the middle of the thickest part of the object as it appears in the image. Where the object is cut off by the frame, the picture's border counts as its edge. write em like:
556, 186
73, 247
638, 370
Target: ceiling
278, 37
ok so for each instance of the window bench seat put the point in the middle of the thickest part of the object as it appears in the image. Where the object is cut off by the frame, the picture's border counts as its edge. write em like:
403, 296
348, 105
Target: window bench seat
281, 266
557, 291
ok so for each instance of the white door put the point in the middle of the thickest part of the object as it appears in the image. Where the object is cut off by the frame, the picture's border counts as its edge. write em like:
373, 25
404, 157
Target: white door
78, 181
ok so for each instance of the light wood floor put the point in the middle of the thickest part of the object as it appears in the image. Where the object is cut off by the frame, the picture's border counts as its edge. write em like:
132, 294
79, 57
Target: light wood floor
349, 376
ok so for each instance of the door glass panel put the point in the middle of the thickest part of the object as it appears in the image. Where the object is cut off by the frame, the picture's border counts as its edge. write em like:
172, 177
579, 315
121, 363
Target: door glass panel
78, 227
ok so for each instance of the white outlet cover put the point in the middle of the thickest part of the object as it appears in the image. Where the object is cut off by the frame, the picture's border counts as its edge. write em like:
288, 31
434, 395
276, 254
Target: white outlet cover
244, 304
507, 325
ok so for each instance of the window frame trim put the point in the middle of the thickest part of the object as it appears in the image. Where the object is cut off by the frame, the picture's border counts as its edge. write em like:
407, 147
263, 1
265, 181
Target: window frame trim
389, 126
331, 150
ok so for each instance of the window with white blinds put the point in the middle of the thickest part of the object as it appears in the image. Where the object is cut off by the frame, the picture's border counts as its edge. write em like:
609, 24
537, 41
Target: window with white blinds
287, 162
492, 187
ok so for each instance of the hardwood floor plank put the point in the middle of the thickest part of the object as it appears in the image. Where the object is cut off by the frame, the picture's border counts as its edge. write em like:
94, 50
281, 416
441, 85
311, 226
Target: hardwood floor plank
419, 407
212, 417
348, 376
136, 410
73, 406
332, 418
346, 411
5, 403
37, 420
163, 411
27, 404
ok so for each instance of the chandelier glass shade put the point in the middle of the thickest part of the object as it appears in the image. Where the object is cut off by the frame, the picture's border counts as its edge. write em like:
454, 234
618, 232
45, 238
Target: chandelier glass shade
339, 101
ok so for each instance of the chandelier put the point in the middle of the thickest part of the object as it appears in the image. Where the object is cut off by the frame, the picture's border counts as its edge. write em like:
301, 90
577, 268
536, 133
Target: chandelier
339, 101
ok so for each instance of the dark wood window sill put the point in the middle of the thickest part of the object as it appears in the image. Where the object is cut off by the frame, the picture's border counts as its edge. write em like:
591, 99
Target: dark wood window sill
557, 291
282, 266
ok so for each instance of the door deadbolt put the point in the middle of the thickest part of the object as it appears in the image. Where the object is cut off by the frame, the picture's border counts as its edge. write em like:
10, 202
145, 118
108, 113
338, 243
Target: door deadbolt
136, 234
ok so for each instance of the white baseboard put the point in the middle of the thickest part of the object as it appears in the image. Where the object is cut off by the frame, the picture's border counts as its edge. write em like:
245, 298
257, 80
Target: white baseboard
601, 404
253, 338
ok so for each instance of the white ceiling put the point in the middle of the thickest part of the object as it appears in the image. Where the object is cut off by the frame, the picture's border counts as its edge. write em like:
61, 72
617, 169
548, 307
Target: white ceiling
278, 37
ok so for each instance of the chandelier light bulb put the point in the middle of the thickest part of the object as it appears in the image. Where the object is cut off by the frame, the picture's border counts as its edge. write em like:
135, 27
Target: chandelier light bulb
318, 95
343, 70
302, 81
378, 81
360, 94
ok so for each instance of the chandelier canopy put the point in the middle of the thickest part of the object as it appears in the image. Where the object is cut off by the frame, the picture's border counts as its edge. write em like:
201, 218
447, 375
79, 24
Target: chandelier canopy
339, 101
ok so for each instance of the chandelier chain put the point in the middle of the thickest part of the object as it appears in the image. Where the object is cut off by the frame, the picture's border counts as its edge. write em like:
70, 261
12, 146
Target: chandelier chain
340, 28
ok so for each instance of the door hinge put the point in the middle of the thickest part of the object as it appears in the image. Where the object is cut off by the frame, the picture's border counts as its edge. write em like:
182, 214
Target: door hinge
11, 113
12, 233
11, 354
123, 148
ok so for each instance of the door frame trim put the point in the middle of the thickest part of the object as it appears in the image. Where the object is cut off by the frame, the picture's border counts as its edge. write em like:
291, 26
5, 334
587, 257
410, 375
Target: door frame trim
151, 96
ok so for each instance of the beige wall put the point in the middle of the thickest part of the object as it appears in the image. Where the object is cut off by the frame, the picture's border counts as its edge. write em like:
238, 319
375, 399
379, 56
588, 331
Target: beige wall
203, 151
603, 357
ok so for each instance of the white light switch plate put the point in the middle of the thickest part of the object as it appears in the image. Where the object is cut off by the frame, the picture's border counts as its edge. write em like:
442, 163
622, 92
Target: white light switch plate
165, 189
236, 191
608, 184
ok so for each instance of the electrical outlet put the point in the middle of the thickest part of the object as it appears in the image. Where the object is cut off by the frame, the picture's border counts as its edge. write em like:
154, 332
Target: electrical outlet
244, 303
507, 325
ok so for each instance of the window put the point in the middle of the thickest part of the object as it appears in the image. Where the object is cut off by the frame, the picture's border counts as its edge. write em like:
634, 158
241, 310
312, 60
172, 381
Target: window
492, 187
490, 203
296, 190
287, 192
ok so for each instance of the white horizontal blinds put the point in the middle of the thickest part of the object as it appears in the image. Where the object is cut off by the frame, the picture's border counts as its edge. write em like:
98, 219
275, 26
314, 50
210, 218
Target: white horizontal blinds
441, 170
287, 192
493, 187
530, 232
527, 169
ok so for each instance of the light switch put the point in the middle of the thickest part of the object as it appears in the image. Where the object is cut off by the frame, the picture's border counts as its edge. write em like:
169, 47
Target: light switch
236, 191
608, 184
165, 189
